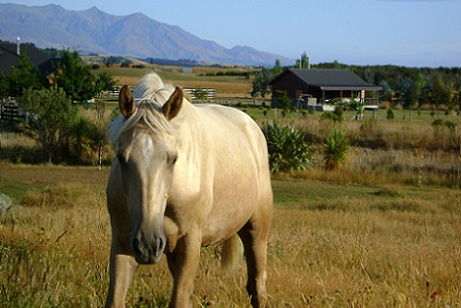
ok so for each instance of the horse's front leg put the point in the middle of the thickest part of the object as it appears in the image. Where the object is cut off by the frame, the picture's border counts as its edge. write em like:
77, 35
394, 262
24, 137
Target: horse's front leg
122, 268
183, 263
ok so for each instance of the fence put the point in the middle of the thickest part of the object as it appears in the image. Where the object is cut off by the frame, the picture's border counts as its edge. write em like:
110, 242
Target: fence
11, 112
211, 93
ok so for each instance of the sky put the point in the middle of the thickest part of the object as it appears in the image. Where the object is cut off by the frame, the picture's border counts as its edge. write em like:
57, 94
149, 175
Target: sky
412, 33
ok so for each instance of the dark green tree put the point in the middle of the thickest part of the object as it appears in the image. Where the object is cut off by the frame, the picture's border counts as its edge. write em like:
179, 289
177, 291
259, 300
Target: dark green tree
75, 77
440, 94
25, 75
51, 115
104, 81
283, 100
4, 85
260, 85
303, 62
277, 69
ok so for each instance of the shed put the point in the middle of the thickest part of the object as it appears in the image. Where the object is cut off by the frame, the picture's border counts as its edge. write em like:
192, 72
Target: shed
314, 87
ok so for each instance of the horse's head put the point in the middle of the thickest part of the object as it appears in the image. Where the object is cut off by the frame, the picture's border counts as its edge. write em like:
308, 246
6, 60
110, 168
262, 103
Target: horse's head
146, 152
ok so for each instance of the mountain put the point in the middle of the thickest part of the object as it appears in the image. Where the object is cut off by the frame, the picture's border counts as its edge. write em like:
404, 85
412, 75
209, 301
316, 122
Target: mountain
135, 35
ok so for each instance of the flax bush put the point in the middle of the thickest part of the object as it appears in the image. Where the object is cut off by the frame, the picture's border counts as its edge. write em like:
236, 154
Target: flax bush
335, 149
287, 149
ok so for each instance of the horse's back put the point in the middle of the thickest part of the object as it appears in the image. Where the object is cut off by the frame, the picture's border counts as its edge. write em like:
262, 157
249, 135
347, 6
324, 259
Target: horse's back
235, 155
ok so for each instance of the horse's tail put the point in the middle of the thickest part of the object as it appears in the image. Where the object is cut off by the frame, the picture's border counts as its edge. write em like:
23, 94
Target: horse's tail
232, 254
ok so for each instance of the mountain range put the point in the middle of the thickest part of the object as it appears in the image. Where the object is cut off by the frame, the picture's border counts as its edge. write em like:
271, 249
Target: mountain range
135, 35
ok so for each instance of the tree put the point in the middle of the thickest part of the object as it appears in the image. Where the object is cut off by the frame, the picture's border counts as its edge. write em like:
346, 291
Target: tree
440, 95
4, 85
75, 77
23, 76
51, 115
277, 69
260, 84
104, 81
283, 100
387, 94
359, 106
303, 62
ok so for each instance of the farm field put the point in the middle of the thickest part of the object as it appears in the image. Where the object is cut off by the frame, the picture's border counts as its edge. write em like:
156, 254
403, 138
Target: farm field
385, 230
226, 86
332, 243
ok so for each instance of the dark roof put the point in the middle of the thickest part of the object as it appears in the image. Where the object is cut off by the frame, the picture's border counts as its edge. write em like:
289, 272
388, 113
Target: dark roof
329, 79
9, 58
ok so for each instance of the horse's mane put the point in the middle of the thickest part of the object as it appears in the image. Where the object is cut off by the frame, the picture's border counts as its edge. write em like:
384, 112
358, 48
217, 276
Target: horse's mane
150, 95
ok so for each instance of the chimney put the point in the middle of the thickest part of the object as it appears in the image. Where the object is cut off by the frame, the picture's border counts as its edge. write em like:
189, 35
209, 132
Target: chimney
18, 46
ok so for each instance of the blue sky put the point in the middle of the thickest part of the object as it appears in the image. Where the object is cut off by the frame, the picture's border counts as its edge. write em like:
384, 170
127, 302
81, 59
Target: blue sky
413, 33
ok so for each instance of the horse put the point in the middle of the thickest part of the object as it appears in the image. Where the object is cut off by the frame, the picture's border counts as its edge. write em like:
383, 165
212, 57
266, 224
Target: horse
185, 176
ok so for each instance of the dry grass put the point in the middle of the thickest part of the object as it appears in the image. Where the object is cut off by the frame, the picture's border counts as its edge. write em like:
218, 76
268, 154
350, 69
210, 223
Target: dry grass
226, 86
383, 231
331, 245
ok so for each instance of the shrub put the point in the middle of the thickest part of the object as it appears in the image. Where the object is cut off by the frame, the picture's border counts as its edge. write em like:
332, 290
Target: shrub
86, 137
335, 150
332, 116
390, 114
51, 114
287, 149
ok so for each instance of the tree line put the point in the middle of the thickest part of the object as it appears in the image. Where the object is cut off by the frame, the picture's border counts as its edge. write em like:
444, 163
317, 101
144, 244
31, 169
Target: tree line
409, 87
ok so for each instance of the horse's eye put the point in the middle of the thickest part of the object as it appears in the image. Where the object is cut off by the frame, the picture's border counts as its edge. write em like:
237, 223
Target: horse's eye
172, 159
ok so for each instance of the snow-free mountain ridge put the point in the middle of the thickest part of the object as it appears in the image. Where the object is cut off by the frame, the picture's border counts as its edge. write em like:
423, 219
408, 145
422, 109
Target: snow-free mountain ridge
135, 35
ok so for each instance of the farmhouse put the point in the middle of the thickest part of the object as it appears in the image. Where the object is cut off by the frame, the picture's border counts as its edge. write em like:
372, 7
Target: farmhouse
316, 88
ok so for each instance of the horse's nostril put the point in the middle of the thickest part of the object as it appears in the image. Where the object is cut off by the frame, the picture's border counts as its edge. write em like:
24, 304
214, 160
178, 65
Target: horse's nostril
161, 243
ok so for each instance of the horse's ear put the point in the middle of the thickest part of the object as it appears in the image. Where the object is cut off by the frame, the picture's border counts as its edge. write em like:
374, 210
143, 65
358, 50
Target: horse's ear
173, 105
126, 102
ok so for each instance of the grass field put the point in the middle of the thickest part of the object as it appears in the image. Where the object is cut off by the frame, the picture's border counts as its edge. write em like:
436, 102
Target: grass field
383, 231
226, 86
332, 244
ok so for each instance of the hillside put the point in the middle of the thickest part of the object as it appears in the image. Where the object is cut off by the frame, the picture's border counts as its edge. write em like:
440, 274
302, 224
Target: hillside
135, 35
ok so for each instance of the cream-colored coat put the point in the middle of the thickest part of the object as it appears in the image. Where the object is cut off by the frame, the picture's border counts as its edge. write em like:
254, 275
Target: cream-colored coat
185, 176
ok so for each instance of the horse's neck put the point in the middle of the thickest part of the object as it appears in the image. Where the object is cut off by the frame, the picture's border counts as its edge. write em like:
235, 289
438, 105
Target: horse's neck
192, 130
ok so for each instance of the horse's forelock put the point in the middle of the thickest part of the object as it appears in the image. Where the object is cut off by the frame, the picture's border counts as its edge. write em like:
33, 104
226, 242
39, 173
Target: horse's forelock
148, 112
150, 95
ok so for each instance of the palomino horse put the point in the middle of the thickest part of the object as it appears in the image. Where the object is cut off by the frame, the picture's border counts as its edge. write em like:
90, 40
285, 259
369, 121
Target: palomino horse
185, 176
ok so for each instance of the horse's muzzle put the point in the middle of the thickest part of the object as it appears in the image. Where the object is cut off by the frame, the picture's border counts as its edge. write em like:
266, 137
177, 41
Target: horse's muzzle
148, 250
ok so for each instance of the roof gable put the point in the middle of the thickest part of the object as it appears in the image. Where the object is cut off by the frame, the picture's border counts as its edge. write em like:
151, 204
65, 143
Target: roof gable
328, 79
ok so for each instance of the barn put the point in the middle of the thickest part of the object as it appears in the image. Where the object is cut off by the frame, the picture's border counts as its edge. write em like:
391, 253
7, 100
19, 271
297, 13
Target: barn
317, 88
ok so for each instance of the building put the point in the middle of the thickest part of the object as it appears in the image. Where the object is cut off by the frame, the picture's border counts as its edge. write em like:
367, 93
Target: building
316, 88
9, 55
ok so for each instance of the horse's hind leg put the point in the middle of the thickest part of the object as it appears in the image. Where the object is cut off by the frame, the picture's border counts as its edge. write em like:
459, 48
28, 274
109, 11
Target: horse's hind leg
254, 236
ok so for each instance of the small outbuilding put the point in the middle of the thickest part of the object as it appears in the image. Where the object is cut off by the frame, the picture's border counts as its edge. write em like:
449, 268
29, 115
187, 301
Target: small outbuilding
316, 88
